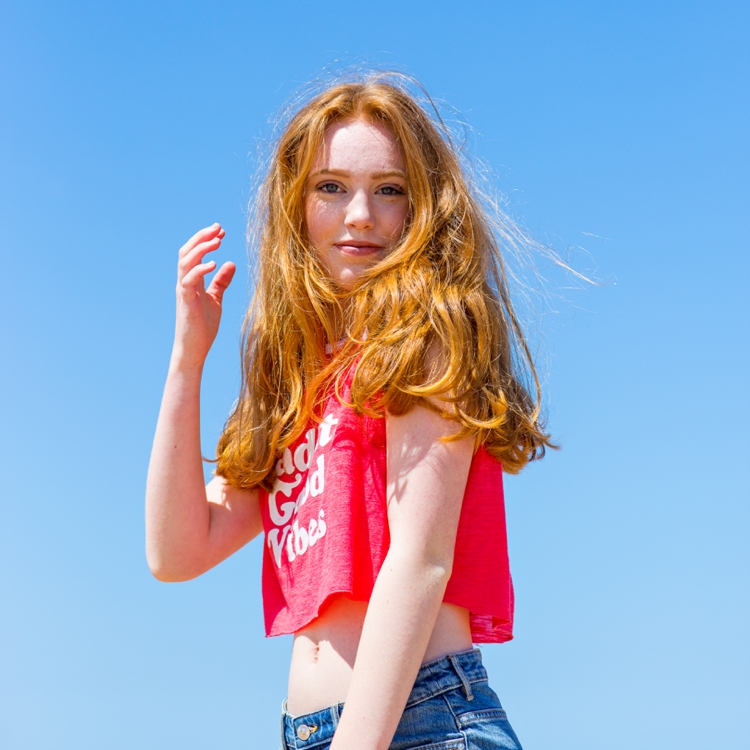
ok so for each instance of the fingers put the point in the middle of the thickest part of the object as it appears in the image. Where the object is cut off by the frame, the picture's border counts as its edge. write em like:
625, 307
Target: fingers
195, 274
195, 256
190, 268
222, 280
204, 235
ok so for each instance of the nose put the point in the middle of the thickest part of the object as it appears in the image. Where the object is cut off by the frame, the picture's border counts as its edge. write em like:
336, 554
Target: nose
359, 213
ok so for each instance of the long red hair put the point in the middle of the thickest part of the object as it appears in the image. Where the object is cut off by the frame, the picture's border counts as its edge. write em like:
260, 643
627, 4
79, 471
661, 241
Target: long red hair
442, 288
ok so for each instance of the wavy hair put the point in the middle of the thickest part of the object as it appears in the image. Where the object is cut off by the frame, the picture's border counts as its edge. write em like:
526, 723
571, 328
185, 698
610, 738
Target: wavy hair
443, 288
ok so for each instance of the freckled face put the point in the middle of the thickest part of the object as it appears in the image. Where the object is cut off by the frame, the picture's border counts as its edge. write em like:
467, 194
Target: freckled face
356, 202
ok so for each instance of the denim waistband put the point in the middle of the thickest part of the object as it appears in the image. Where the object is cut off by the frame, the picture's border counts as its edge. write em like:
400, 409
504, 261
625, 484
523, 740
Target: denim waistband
461, 669
455, 670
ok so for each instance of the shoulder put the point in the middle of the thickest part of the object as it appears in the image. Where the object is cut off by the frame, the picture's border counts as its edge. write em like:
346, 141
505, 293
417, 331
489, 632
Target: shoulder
423, 445
426, 480
439, 382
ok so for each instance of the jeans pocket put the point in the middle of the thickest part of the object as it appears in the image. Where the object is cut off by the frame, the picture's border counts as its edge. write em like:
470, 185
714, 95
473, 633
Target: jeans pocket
488, 729
483, 715
457, 744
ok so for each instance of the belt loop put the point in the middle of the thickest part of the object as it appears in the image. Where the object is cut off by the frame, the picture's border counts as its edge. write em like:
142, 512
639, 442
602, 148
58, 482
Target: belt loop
462, 676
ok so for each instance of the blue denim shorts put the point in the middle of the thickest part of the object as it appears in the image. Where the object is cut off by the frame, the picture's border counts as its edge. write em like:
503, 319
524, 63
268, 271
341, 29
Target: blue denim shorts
451, 707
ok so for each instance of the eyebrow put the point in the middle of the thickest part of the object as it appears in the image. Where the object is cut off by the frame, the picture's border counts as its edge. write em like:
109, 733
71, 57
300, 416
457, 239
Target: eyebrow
374, 175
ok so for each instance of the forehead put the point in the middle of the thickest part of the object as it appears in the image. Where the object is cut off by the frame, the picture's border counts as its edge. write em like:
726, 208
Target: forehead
359, 146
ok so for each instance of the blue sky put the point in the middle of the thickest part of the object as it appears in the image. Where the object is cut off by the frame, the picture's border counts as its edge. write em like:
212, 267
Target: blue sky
617, 131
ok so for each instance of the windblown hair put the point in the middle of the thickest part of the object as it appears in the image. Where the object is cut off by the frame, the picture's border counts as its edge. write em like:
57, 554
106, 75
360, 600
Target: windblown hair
442, 288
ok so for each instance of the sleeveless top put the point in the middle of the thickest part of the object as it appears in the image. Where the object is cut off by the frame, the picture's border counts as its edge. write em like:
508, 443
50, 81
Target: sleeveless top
326, 528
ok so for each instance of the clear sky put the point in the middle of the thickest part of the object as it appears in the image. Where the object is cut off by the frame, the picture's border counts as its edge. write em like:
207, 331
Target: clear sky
619, 130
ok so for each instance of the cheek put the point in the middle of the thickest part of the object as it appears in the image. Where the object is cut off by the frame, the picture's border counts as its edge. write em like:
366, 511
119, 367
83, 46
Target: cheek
396, 220
320, 219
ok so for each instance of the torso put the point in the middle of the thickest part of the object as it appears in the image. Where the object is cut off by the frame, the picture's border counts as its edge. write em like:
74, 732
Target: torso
324, 651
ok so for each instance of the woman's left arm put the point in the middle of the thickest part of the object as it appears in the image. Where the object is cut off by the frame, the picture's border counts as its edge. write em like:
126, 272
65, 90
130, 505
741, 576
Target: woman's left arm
426, 483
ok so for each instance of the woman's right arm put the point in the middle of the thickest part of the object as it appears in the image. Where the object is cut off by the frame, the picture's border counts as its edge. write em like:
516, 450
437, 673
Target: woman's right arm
189, 527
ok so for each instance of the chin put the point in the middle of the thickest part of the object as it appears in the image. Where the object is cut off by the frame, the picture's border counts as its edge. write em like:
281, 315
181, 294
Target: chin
346, 280
345, 285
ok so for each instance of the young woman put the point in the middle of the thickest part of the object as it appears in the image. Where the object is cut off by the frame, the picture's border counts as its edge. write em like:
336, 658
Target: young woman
383, 395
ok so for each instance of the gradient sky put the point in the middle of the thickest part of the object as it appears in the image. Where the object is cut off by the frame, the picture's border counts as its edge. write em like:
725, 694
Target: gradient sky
618, 133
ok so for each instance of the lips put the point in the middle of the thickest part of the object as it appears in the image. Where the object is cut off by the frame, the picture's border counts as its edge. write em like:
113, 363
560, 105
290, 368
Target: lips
358, 247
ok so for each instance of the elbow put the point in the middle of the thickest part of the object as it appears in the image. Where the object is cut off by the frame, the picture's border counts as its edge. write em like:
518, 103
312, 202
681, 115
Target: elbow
434, 574
160, 571
438, 561
442, 569
163, 575
169, 572
169, 575
434, 567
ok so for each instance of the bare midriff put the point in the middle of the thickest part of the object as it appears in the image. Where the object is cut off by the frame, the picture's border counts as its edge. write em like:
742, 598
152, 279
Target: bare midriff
323, 652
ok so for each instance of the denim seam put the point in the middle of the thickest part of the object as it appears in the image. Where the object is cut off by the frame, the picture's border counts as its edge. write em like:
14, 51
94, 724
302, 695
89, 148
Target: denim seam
318, 743
494, 713
436, 694
428, 664
283, 727
443, 691
459, 728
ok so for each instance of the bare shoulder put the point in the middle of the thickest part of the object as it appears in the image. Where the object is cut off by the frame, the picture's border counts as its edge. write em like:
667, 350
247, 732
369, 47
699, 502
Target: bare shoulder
426, 481
420, 430
427, 478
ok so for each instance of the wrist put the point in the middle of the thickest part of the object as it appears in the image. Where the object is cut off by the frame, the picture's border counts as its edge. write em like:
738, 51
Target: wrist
181, 364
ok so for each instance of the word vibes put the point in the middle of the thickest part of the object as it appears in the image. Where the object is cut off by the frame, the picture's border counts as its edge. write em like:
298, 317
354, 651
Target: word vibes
289, 536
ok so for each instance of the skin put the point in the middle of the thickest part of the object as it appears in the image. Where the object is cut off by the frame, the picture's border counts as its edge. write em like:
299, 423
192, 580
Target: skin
367, 654
356, 201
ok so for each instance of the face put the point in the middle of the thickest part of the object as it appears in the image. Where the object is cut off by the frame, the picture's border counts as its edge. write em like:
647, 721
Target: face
356, 201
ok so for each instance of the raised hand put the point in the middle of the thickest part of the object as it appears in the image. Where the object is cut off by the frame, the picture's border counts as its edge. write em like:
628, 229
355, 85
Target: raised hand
190, 528
198, 307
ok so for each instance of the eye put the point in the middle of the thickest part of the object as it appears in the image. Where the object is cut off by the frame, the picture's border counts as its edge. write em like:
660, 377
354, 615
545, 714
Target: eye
391, 190
329, 187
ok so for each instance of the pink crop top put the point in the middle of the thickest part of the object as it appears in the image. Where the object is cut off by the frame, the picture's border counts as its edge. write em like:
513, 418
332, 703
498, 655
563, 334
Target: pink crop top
326, 528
